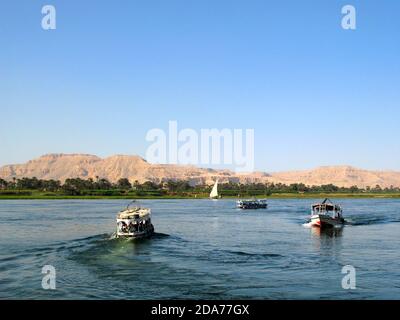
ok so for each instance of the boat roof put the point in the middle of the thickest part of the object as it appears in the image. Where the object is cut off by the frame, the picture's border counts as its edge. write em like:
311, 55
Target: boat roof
142, 212
327, 204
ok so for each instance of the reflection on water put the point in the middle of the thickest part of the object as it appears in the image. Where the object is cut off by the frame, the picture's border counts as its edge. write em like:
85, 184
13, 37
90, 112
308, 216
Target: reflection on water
327, 232
328, 240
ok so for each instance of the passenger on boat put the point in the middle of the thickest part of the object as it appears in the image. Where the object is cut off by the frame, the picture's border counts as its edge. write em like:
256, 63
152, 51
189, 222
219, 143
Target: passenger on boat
123, 227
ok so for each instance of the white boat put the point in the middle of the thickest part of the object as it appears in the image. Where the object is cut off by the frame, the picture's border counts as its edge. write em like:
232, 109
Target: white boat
134, 223
252, 204
214, 191
326, 214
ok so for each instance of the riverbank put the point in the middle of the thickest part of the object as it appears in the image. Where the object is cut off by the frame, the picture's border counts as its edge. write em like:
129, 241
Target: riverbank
38, 196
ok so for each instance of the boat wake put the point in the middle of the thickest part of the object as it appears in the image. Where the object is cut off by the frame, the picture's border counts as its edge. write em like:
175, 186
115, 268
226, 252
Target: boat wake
307, 224
254, 255
365, 219
101, 243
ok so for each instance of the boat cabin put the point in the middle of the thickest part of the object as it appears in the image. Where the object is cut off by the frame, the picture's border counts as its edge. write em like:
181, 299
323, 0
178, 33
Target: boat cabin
326, 207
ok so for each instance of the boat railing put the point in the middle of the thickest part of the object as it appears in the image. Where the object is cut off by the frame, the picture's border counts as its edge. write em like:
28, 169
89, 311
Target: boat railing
128, 207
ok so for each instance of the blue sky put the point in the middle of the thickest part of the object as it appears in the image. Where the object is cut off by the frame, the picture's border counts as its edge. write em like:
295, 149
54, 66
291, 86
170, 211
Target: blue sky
314, 93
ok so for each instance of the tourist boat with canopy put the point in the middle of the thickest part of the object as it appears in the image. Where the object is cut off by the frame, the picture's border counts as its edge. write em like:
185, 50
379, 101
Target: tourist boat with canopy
326, 214
252, 204
134, 223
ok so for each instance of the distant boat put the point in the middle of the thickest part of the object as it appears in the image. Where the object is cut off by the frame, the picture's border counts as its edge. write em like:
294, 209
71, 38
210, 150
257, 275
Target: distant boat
252, 204
214, 191
326, 214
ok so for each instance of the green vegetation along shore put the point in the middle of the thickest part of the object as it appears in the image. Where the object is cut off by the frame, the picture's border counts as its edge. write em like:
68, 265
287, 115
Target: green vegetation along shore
32, 188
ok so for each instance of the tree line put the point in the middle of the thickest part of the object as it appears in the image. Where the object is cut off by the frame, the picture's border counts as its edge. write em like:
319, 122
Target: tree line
101, 186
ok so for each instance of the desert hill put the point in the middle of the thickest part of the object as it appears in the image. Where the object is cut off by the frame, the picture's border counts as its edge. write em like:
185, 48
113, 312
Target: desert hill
63, 166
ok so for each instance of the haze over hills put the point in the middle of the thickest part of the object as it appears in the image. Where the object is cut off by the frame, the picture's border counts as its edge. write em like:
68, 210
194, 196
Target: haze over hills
85, 166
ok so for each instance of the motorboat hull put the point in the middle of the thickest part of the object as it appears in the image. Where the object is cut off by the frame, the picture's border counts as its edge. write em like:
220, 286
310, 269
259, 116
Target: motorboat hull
254, 207
326, 221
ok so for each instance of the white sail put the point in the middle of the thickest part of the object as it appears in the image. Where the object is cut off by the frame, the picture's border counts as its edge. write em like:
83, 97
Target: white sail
214, 191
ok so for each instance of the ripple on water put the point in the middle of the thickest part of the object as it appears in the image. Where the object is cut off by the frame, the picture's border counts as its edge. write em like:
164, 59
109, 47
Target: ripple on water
203, 250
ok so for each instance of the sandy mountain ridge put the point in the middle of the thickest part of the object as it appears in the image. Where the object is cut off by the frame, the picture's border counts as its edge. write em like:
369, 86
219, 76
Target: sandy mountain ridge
85, 166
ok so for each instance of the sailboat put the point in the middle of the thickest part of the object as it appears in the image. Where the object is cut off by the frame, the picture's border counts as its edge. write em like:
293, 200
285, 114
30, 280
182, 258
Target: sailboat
214, 191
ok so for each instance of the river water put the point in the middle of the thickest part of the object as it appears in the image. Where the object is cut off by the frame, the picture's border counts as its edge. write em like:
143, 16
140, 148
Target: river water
202, 249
